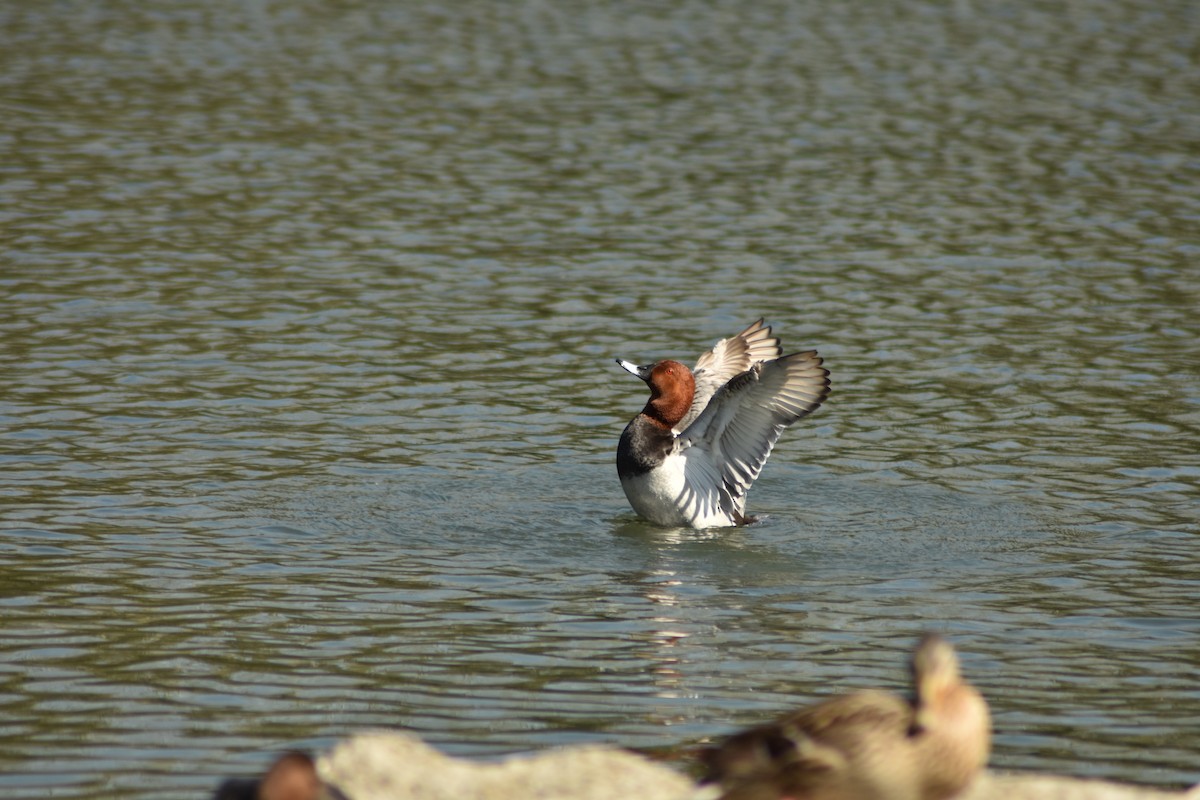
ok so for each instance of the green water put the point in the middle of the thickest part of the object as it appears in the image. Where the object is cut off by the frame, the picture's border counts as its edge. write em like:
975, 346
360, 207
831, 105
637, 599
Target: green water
307, 319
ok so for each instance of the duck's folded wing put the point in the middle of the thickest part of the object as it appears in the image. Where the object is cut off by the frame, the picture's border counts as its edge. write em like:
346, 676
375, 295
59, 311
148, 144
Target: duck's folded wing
760, 752
737, 430
727, 358
850, 714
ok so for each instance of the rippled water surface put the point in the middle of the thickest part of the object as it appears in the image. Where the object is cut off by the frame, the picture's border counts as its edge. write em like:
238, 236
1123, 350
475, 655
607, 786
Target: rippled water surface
307, 318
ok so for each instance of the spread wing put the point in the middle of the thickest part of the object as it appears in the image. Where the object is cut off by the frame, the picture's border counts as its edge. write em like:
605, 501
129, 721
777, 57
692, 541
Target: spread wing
727, 358
728, 443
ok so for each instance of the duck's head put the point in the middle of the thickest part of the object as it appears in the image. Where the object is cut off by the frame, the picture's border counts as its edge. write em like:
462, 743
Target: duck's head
945, 704
935, 668
672, 388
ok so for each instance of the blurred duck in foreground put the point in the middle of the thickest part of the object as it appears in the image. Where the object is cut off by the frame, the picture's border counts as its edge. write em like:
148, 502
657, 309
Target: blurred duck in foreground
293, 776
869, 745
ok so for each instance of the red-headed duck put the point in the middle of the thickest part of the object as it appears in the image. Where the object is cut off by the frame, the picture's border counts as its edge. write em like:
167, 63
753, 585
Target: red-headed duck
692, 454
293, 776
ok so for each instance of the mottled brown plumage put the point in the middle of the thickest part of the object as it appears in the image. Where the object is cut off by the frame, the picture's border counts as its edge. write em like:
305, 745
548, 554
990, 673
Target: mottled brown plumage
869, 745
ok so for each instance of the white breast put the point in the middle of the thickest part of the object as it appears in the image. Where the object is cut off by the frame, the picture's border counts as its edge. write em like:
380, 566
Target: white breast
664, 496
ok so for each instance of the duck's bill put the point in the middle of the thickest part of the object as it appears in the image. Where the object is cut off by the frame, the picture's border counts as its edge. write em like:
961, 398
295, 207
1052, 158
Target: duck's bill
634, 369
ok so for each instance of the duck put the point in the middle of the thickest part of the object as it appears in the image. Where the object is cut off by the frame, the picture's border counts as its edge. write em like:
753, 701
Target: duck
867, 745
690, 457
